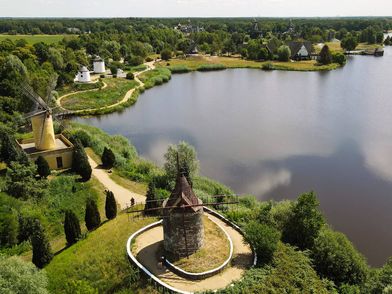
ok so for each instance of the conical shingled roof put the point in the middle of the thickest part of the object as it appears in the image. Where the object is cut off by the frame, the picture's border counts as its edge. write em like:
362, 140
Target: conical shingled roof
183, 195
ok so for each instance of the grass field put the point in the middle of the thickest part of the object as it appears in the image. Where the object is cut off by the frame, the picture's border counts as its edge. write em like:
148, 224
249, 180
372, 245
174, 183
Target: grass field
99, 260
208, 257
32, 39
114, 92
197, 62
335, 46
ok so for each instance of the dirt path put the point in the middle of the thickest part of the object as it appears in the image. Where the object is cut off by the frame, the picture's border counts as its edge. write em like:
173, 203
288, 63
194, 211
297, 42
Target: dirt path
127, 96
123, 196
147, 244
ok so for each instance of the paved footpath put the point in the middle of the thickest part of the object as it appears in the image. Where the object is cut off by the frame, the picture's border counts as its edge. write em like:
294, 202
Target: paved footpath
123, 196
147, 244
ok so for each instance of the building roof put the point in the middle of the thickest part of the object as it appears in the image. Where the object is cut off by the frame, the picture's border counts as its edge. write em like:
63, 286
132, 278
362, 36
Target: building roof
98, 59
83, 69
183, 195
296, 46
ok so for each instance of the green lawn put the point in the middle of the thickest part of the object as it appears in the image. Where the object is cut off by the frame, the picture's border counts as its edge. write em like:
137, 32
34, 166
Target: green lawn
32, 39
113, 93
99, 260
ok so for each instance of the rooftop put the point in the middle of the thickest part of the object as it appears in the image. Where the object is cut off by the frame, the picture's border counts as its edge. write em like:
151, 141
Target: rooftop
28, 145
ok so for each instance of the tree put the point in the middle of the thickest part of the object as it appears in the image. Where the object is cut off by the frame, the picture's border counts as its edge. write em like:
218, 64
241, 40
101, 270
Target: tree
80, 164
325, 56
349, 43
43, 168
18, 276
12, 73
284, 53
110, 205
335, 258
264, 239
9, 151
166, 54
108, 158
151, 198
42, 253
305, 222
71, 227
92, 217
187, 156
339, 58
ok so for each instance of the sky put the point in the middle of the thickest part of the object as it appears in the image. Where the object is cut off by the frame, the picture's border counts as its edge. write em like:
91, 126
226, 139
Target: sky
193, 8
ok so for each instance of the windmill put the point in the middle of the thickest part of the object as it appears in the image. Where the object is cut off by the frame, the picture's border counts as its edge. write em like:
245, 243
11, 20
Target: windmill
41, 117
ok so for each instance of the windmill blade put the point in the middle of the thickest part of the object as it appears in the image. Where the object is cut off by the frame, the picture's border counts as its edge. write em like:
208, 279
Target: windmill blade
33, 113
34, 97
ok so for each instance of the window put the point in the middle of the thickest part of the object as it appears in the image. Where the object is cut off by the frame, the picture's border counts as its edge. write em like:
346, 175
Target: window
59, 162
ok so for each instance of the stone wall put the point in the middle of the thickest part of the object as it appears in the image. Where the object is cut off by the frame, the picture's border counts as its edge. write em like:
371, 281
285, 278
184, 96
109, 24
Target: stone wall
176, 226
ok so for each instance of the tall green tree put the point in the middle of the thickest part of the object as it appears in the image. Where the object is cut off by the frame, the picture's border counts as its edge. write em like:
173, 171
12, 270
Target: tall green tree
80, 164
71, 227
151, 198
92, 216
349, 43
43, 168
187, 157
110, 205
284, 53
166, 54
108, 158
325, 55
42, 252
305, 222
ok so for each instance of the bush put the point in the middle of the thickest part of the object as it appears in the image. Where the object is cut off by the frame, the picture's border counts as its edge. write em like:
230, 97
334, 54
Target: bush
110, 205
92, 217
130, 76
305, 222
335, 258
325, 56
82, 136
43, 168
9, 226
80, 164
72, 227
267, 66
339, 58
149, 59
284, 53
42, 253
264, 239
151, 198
108, 158
18, 276
136, 60
166, 54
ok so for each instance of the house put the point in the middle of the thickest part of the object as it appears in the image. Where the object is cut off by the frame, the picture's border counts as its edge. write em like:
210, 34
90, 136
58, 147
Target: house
99, 65
121, 73
83, 75
300, 50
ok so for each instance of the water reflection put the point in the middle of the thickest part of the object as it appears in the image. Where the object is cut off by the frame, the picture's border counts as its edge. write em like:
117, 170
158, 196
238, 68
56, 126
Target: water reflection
278, 134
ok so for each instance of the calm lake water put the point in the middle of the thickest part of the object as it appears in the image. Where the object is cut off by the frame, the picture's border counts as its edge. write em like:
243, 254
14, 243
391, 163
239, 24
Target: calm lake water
278, 134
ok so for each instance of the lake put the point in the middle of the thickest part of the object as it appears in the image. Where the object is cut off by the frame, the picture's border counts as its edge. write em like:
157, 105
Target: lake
278, 134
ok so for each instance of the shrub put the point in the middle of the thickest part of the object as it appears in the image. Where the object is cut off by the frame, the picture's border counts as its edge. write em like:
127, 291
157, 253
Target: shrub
151, 198
80, 164
267, 66
110, 205
284, 53
339, 58
42, 253
18, 276
43, 168
166, 54
149, 59
82, 136
305, 222
92, 217
264, 239
71, 227
335, 258
136, 60
130, 76
325, 56
8, 227
108, 158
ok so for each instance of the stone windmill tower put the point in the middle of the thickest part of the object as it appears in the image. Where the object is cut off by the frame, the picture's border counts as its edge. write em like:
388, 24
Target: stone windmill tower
182, 220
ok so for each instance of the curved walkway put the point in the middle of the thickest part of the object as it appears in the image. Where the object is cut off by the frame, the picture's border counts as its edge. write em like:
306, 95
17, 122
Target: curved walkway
127, 96
147, 244
123, 196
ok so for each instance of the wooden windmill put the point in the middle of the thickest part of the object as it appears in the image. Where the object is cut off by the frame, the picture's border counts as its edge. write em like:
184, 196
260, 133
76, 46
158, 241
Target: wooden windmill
41, 118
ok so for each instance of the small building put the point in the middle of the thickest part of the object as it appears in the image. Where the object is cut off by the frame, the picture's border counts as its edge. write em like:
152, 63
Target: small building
121, 73
300, 50
183, 228
99, 65
58, 157
83, 75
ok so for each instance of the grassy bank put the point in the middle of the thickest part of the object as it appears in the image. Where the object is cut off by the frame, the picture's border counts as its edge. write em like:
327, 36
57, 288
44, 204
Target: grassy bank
32, 39
155, 77
202, 63
76, 87
113, 93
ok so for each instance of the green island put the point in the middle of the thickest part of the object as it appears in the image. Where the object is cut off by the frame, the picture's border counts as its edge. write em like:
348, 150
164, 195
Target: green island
62, 230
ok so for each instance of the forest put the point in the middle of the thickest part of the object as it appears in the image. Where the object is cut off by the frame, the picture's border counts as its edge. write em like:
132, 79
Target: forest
56, 219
